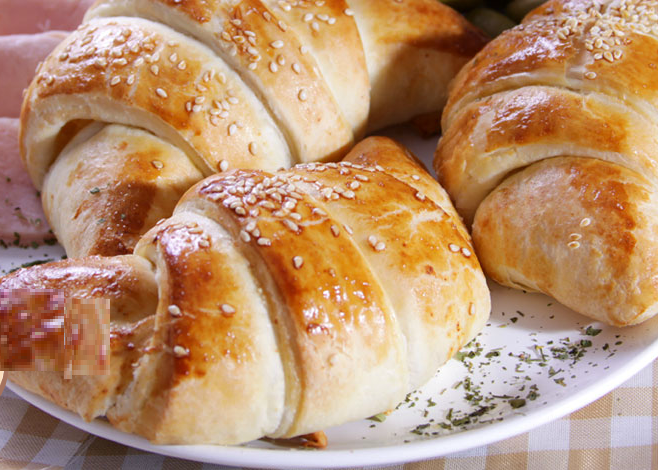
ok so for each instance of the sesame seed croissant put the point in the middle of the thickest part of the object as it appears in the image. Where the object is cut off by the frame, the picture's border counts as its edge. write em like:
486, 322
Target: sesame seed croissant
149, 96
549, 148
276, 304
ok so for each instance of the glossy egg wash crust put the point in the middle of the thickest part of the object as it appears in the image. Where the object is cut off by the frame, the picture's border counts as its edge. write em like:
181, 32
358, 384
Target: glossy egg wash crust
277, 303
549, 150
160, 93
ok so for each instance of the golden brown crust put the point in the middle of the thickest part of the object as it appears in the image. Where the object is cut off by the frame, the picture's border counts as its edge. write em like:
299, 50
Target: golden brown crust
256, 42
257, 84
289, 302
130, 286
595, 254
576, 79
105, 191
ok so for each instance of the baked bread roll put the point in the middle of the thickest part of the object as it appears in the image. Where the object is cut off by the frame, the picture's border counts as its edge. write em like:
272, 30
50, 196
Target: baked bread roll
198, 88
549, 149
276, 304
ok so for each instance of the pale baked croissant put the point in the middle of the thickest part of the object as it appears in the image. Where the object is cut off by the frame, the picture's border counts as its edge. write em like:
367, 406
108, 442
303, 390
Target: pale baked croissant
549, 147
169, 91
276, 304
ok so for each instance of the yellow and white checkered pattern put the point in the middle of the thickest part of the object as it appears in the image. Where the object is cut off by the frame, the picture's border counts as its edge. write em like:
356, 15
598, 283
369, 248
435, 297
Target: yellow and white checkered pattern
618, 431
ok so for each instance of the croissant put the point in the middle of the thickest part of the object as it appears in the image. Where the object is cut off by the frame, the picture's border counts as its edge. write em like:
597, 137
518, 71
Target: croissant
549, 150
149, 96
276, 304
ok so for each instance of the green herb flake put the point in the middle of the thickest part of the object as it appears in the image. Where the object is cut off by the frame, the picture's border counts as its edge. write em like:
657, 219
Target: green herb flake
517, 402
590, 331
379, 417
95, 190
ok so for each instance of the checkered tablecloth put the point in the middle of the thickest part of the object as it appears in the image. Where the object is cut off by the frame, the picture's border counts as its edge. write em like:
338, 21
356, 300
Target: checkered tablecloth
618, 431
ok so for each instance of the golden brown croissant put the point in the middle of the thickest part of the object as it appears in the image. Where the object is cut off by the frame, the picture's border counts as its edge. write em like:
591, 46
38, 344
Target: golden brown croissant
549, 147
149, 96
276, 304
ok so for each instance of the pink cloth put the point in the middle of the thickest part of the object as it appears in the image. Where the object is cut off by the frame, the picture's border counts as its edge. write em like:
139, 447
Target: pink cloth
37, 16
20, 207
20, 54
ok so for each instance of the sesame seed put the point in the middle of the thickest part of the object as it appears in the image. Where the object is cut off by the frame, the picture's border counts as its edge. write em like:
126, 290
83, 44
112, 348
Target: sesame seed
335, 230
161, 93
372, 240
182, 65
349, 194
203, 243
362, 178
240, 211
223, 165
155, 69
180, 351
575, 236
297, 262
585, 222
296, 68
466, 252
381, 246
264, 241
415, 177
174, 311
573, 245
115, 81
157, 164
253, 148
244, 236
227, 309
291, 225
318, 211
348, 12
273, 67
278, 44
471, 309
303, 49
173, 57
348, 229
420, 196
315, 26
454, 248
590, 75
130, 80
232, 129
303, 95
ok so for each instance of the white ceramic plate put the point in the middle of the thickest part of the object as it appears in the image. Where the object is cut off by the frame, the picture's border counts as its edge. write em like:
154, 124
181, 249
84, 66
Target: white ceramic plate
534, 362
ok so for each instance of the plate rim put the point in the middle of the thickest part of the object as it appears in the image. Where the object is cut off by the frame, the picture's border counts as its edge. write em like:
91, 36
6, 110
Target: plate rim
434, 447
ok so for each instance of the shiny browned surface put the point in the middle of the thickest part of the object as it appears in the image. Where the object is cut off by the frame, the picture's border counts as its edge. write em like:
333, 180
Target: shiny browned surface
331, 307
595, 254
240, 33
119, 182
535, 54
577, 78
286, 303
436, 27
129, 285
32, 330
